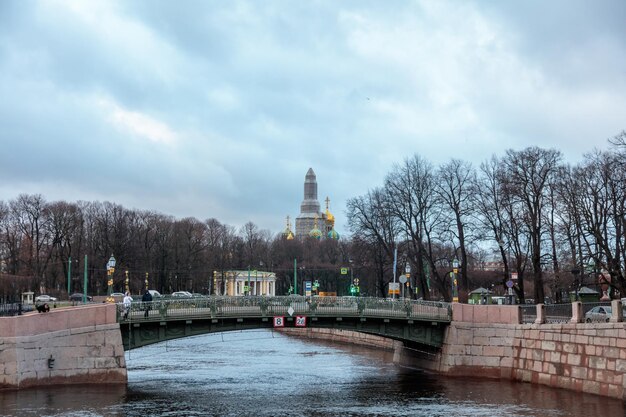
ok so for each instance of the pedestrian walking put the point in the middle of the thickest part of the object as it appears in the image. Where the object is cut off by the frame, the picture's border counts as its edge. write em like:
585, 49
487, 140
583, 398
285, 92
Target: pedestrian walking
127, 303
147, 300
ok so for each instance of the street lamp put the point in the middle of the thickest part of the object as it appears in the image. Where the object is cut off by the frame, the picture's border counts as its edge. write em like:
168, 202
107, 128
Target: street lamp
110, 271
302, 280
254, 291
407, 271
351, 277
247, 287
69, 276
455, 271
262, 279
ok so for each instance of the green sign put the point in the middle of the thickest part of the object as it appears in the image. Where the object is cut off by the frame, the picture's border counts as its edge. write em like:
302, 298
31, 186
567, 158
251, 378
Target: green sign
344, 271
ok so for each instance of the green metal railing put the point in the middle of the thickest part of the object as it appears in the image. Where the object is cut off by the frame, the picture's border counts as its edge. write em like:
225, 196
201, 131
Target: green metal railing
224, 307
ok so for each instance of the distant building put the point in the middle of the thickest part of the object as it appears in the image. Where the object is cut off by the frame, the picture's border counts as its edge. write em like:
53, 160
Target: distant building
311, 221
234, 283
493, 266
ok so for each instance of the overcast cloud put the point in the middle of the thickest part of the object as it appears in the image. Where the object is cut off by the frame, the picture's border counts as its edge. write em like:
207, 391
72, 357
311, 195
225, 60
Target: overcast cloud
218, 109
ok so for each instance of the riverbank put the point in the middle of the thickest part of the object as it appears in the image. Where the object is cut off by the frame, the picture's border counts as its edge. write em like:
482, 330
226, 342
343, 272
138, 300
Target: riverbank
488, 342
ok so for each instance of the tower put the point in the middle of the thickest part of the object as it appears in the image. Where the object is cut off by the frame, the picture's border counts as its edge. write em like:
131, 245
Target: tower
310, 207
312, 222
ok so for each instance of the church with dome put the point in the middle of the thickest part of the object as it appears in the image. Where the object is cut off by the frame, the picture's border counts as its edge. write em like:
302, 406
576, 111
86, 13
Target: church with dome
311, 221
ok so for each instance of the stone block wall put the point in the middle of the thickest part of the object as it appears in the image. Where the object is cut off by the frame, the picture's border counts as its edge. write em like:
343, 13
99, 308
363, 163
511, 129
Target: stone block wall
488, 341
64, 346
584, 357
342, 336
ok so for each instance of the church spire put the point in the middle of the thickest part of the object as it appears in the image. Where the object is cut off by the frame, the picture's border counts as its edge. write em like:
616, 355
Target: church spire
310, 203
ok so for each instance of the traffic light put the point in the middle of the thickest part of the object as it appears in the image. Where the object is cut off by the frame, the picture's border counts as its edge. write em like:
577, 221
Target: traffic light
354, 290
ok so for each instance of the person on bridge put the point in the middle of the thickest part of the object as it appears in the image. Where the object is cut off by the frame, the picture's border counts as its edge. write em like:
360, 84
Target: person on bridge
127, 302
147, 299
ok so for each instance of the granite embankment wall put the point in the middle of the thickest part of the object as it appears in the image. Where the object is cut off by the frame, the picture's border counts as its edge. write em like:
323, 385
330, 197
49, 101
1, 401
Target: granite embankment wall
489, 341
64, 346
344, 336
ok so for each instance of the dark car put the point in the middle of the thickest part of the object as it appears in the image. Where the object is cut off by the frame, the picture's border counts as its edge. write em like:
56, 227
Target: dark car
79, 297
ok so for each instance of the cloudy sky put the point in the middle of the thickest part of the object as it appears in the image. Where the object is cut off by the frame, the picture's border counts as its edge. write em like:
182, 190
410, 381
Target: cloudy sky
218, 109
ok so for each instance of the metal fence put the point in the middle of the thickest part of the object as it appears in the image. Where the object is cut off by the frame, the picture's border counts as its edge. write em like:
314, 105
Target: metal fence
557, 313
14, 309
221, 307
529, 313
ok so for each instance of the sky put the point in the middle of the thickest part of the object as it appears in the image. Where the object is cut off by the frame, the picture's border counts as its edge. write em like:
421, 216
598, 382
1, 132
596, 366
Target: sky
217, 109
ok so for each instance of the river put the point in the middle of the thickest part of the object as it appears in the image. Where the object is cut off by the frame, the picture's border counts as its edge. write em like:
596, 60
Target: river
263, 373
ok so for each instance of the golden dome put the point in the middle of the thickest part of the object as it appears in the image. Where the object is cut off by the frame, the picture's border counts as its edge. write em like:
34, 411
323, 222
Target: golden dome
330, 219
288, 234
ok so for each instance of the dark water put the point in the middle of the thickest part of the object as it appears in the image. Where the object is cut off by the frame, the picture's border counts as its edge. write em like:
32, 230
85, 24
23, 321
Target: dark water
261, 373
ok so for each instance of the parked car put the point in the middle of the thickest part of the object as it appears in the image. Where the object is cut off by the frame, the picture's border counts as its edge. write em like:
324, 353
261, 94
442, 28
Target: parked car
117, 294
45, 298
598, 313
77, 296
183, 294
155, 294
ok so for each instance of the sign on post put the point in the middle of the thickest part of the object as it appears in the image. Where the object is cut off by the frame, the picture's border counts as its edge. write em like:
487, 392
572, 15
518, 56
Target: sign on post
279, 321
344, 271
394, 288
300, 321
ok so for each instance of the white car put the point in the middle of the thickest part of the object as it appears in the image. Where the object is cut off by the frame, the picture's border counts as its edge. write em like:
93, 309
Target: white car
184, 294
598, 313
45, 298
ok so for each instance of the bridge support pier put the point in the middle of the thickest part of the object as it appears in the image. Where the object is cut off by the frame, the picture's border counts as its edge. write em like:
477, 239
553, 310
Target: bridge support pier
65, 346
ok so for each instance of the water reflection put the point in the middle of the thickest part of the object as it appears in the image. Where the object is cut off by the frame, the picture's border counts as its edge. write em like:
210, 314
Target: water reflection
64, 400
267, 374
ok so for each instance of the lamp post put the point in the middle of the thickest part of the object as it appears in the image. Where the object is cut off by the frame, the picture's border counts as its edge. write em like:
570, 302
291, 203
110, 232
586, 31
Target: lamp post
455, 271
110, 271
69, 276
395, 262
127, 282
262, 278
351, 288
247, 288
295, 276
407, 270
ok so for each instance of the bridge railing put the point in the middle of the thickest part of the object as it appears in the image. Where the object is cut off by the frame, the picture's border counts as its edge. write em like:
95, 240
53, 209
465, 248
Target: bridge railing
13, 309
257, 306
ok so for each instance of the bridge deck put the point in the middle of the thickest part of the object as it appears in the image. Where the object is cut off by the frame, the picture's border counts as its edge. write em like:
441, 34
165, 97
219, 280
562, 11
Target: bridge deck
418, 321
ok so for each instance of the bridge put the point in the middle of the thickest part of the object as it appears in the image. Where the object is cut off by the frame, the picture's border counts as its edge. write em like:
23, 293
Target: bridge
416, 322
86, 344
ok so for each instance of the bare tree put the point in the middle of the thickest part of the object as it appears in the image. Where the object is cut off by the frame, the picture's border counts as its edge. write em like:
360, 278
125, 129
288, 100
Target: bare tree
603, 210
455, 194
411, 200
530, 172
375, 232
30, 215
